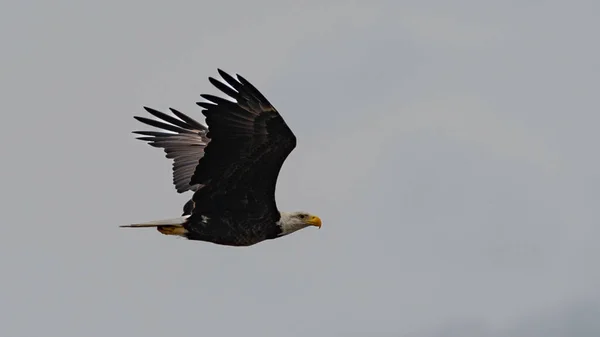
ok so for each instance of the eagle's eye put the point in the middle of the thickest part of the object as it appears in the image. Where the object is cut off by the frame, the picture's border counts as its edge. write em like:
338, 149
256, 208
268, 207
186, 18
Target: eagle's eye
302, 216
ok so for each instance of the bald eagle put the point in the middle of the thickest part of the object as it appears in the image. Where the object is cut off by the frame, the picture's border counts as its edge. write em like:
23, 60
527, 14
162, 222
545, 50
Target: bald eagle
231, 166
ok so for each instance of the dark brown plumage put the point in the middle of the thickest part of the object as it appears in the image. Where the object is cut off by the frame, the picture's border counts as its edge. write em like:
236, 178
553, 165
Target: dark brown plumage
232, 166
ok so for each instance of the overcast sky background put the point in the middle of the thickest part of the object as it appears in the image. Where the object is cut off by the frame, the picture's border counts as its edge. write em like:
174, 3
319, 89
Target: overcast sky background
451, 149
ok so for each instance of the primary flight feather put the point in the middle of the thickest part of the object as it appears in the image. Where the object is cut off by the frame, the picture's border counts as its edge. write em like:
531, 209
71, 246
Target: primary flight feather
231, 165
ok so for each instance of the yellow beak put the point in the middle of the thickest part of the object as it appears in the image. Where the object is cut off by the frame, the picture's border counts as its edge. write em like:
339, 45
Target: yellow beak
314, 221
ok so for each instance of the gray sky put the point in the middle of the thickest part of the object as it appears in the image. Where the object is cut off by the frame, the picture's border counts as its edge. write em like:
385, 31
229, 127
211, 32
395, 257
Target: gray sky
451, 149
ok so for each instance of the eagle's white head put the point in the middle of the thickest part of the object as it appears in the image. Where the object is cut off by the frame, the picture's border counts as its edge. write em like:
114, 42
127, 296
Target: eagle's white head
291, 222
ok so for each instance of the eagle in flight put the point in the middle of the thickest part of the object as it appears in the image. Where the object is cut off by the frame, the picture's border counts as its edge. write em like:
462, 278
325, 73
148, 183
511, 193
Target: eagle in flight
231, 165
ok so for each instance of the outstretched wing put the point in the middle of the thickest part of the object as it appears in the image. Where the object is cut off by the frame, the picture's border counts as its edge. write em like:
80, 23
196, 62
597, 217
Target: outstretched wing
249, 141
182, 138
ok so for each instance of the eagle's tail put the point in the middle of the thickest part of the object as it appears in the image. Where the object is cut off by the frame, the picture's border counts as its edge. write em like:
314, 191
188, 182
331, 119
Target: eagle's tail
172, 226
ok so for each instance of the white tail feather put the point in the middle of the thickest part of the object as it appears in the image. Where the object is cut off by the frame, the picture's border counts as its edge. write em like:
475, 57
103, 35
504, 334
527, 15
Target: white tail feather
172, 226
156, 223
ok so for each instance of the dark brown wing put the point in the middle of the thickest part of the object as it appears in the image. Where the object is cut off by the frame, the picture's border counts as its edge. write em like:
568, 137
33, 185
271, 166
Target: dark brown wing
249, 141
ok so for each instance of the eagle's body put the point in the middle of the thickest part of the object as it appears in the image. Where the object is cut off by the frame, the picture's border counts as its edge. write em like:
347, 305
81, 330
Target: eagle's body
231, 166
